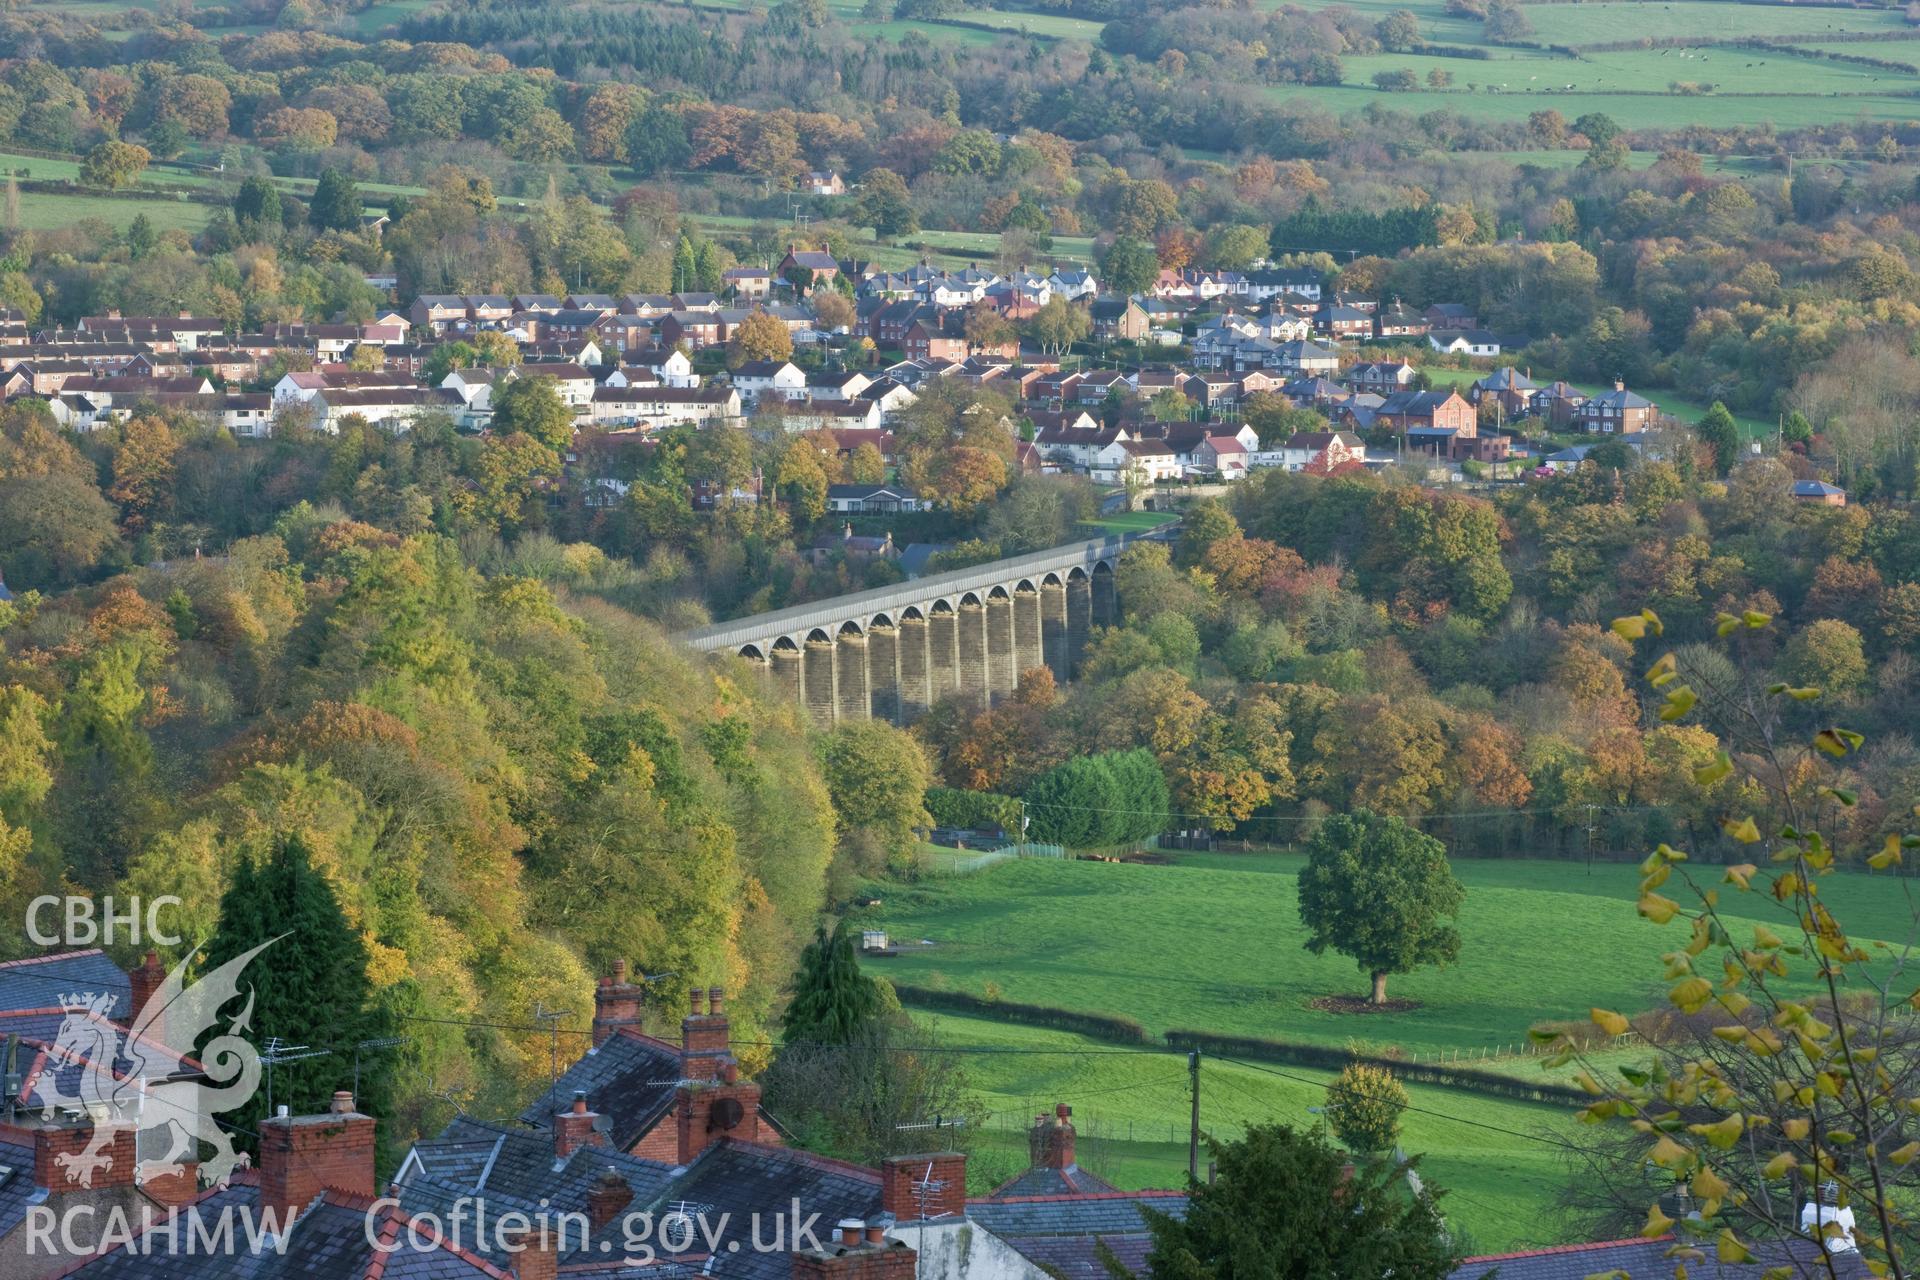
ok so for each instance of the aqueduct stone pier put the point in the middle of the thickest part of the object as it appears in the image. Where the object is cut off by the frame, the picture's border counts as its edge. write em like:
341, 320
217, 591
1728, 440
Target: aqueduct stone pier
892, 652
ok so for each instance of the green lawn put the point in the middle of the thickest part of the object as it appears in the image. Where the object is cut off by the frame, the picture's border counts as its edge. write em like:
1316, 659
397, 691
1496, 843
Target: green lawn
1131, 1114
1215, 943
1682, 407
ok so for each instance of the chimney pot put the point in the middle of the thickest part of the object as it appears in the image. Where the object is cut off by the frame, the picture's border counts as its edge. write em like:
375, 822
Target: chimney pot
579, 1103
876, 1232
342, 1103
693, 1002
851, 1230
619, 970
714, 998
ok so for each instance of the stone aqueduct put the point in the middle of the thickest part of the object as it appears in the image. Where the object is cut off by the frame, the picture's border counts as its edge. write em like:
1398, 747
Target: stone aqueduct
892, 652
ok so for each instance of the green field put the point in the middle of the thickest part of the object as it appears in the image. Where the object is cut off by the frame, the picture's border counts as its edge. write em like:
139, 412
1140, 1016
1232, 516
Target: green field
1130, 522
1497, 1160
1214, 943
40, 212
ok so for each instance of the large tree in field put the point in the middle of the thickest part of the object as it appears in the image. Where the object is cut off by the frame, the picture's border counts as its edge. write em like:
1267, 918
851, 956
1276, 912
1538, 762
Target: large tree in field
1376, 890
1285, 1203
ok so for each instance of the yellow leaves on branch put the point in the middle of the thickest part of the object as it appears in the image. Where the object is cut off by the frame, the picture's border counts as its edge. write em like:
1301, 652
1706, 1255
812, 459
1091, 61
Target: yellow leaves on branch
1609, 1021
1658, 909
1746, 831
1637, 626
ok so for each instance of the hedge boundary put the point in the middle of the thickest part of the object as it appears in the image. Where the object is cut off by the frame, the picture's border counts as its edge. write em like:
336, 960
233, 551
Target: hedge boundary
1097, 1026
1330, 1058
1121, 1030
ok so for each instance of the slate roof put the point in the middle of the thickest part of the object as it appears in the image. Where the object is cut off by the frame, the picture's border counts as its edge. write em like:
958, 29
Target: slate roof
748, 1181
38, 982
616, 1075
17, 1192
1045, 1181
1116, 1212
328, 1242
1816, 489
1063, 1231
1644, 1260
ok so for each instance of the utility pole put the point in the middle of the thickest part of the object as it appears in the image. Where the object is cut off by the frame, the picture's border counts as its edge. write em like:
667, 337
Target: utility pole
1193, 1128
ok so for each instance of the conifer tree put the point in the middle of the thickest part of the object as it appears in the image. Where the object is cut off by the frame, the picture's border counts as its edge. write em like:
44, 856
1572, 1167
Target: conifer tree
832, 1000
310, 987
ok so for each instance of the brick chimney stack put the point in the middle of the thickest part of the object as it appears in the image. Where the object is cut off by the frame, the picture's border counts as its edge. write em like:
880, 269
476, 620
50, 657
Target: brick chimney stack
937, 1180
573, 1128
300, 1156
533, 1253
704, 1037
608, 1198
145, 979
1050, 1143
859, 1251
616, 1003
71, 1137
705, 1113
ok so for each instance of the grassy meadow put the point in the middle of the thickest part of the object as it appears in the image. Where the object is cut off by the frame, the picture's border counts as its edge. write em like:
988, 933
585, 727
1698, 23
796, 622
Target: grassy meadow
1499, 1161
1214, 941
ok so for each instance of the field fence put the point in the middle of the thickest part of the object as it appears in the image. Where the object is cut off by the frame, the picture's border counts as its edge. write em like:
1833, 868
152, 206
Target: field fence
945, 866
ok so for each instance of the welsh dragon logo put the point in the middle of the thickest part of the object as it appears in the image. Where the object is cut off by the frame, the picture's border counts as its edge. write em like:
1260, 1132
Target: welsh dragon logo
137, 1076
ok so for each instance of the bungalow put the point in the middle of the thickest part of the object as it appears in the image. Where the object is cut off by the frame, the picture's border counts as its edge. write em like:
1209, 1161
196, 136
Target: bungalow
1616, 412
782, 378
867, 499
1820, 493
1470, 342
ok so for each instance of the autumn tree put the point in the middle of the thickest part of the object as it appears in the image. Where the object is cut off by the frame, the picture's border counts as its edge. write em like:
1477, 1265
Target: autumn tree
533, 407
1058, 324
1797, 1089
1364, 1105
1130, 265
114, 164
877, 776
801, 481
143, 471
885, 204
759, 337
1378, 891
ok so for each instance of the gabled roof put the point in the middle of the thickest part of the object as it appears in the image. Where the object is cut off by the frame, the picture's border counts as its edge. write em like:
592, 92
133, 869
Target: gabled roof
38, 982
1816, 489
1072, 1214
617, 1075
1043, 1180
